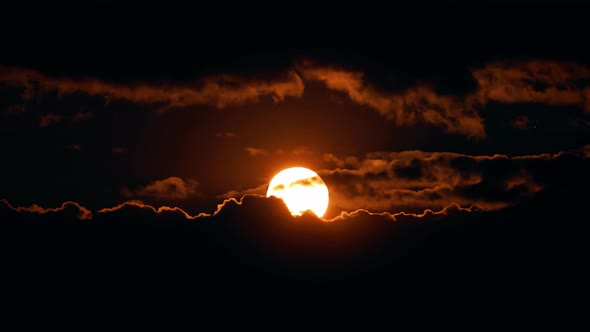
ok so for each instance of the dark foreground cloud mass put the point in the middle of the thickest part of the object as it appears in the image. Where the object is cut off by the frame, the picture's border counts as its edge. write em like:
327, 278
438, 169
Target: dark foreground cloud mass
133, 266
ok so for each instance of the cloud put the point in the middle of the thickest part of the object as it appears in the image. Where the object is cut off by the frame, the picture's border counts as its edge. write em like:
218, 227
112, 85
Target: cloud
170, 189
219, 91
298, 151
451, 209
255, 151
523, 183
226, 134
82, 116
139, 209
547, 82
521, 122
249, 205
417, 181
134, 209
260, 190
307, 182
15, 109
49, 119
129, 209
67, 208
414, 105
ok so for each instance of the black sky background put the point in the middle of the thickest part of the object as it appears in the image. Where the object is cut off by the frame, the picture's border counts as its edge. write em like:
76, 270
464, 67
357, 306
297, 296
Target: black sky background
252, 264
417, 41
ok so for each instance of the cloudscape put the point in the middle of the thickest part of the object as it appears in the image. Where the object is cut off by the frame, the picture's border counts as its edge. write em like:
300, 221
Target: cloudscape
167, 167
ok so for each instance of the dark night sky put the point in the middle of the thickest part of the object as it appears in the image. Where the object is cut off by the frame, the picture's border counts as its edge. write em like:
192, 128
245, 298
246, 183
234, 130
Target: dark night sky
454, 139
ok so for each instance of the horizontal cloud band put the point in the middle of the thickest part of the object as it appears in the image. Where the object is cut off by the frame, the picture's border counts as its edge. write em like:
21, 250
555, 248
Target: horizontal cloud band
415, 181
247, 203
548, 82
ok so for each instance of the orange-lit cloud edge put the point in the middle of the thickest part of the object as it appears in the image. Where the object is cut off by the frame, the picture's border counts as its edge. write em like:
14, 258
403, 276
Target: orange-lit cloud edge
82, 213
394, 181
505, 82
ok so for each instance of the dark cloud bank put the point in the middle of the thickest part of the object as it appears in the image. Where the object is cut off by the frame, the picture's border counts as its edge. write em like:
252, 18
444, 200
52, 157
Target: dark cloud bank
136, 267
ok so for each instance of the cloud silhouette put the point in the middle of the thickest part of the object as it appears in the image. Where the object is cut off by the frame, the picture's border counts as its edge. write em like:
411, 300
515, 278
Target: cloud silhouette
171, 188
226, 134
219, 91
305, 182
49, 119
135, 209
418, 104
71, 209
251, 206
521, 122
416, 181
260, 190
547, 82
450, 210
252, 151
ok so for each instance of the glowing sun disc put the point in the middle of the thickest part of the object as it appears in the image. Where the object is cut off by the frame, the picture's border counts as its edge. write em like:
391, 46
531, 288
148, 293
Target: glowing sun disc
301, 189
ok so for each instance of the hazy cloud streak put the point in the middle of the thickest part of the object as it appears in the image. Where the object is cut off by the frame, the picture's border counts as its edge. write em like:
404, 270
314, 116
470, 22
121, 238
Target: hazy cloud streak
219, 91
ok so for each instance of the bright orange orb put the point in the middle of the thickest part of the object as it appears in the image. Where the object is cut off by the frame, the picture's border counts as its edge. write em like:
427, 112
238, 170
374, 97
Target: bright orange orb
301, 189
